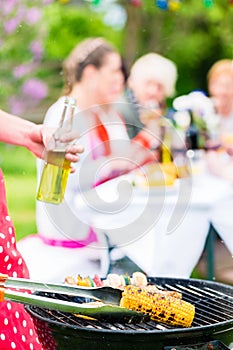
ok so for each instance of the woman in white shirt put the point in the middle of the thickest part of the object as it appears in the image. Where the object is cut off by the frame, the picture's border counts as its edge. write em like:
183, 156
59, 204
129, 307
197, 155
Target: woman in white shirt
66, 243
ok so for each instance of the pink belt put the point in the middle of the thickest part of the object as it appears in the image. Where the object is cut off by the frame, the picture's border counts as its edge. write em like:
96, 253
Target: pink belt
69, 243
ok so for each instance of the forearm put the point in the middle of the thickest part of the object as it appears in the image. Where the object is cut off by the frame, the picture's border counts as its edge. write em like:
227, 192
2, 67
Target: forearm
17, 131
20, 132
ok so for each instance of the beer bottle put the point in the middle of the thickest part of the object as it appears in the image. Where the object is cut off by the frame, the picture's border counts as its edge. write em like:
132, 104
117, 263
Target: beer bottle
56, 167
192, 134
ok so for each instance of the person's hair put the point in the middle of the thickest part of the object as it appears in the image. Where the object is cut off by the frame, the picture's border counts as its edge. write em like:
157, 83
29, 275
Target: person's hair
155, 66
90, 51
224, 66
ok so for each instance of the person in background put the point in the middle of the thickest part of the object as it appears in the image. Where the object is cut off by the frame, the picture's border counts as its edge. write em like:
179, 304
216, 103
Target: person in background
220, 86
16, 325
93, 77
220, 162
151, 81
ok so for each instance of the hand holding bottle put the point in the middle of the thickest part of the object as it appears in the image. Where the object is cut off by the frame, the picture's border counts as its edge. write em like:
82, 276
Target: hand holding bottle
72, 148
57, 165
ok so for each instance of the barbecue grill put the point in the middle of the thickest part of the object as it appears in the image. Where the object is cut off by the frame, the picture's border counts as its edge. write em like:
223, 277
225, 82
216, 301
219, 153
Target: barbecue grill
211, 329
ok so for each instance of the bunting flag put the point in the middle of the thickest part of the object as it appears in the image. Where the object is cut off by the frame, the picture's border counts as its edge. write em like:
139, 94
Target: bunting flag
168, 4
208, 3
172, 5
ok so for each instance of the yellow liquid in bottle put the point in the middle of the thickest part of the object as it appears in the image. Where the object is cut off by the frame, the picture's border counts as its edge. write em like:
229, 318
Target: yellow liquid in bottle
54, 178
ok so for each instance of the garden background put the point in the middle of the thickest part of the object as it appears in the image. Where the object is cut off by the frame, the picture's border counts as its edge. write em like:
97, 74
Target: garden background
35, 37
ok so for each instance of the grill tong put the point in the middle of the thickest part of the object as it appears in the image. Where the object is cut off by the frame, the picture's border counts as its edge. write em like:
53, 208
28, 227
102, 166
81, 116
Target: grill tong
108, 310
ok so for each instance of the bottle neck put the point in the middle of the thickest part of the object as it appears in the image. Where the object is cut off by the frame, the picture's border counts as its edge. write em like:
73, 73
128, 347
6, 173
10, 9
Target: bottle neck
192, 134
165, 147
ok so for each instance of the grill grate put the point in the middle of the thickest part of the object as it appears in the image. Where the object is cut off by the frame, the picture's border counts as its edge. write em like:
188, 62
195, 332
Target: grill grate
212, 306
213, 302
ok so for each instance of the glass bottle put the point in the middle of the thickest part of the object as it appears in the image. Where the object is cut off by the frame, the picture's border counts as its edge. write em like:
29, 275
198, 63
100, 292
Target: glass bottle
57, 168
168, 169
192, 134
165, 155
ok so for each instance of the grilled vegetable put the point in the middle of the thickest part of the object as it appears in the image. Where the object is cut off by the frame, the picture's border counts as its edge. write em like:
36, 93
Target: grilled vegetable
125, 280
139, 279
161, 306
85, 281
117, 281
97, 280
70, 280
112, 280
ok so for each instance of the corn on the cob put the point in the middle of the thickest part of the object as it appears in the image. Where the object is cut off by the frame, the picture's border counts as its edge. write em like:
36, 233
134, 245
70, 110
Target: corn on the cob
160, 306
153, 289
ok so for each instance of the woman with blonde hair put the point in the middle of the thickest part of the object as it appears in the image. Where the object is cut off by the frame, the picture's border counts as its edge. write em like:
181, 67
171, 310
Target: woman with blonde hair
220, 86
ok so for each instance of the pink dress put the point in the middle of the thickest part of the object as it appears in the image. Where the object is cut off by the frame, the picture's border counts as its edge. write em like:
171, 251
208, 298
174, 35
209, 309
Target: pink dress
16, 326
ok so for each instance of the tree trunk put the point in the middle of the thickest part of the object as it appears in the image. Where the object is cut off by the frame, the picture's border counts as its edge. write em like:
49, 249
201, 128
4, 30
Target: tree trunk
132, 33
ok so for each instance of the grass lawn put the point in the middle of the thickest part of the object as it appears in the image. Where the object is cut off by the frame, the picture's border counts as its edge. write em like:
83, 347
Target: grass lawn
19, 170
21, 203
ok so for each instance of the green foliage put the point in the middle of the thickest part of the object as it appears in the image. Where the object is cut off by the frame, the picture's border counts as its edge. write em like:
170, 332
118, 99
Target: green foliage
21, 194
59, 29
21, 51
16, 160
68, 25
200, 41
194, 37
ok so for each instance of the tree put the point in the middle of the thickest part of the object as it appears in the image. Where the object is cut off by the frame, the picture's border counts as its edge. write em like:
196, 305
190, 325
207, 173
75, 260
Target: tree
21, 54
194, 36
35, 40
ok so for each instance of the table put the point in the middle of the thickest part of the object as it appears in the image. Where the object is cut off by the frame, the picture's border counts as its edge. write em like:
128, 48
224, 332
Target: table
163, 230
